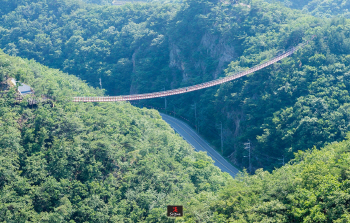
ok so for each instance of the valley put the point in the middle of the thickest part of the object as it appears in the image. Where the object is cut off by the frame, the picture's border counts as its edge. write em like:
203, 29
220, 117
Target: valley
286, 126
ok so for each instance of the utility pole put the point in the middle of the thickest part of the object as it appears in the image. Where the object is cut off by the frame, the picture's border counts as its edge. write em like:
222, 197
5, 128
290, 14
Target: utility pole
247, 146
222, 141
221, 138
165, 101
195, 115
282, 160
197, 125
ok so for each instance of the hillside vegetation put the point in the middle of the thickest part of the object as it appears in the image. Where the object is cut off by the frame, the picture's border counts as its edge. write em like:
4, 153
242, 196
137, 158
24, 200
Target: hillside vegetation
97, 162
293, 105
112, 162
314, 187
320, 8
85, 162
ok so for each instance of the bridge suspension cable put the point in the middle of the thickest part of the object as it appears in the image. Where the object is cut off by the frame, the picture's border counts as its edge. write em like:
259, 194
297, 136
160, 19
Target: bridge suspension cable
190, 88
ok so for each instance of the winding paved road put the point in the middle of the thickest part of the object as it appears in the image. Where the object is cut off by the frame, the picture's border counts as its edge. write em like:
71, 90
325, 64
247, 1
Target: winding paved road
199, 144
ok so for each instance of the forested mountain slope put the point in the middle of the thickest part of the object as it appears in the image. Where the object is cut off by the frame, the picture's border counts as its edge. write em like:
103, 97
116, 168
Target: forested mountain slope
66, 162
94, 162
320, 8
313, 188
293, 105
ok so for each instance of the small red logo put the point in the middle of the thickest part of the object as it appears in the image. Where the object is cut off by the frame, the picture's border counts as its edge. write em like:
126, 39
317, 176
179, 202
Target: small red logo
175, 211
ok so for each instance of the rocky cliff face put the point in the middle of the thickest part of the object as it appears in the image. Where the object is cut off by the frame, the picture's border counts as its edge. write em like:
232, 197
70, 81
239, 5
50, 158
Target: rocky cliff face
211, 47
204, 59
176, 61
208, 61
219, 50
133, 87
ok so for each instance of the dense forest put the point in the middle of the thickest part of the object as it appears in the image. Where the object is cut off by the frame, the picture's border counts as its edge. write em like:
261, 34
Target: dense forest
111, 162
320, 8
62, 161
140, 48
99, 2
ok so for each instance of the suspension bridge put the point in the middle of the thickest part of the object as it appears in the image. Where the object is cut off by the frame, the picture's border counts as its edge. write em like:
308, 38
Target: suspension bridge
194, 87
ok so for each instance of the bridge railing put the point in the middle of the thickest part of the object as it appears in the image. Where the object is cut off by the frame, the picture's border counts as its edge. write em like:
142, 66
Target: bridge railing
194, 87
